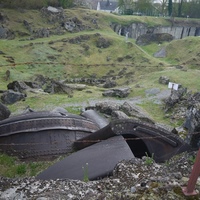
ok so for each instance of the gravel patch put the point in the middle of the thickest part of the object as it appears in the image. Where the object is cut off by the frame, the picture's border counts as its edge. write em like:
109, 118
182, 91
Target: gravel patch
132, 179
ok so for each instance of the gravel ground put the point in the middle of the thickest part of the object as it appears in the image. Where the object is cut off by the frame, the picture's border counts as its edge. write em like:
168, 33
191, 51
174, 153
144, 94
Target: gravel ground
133, 179
154, 94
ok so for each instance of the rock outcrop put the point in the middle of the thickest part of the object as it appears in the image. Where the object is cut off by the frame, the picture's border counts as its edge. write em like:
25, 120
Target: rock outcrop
53, 14
102, 42
162, 53
4, 111
175, 97
117, 92
117, 111
192, 122
5, 33
159, 38
23, 86
11, 97
107, 107
164, 80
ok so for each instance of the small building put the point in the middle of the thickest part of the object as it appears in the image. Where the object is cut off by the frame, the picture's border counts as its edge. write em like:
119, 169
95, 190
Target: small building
108, 6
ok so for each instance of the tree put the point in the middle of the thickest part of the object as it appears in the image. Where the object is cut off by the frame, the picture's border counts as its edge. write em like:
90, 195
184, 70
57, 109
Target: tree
145, 6
191, 9
66, 3
126, 6
180, 4
195, 8
170, 8
35, 4
163, 4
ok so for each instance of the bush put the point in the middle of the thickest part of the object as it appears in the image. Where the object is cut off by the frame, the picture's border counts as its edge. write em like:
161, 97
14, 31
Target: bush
31, 4
35, 4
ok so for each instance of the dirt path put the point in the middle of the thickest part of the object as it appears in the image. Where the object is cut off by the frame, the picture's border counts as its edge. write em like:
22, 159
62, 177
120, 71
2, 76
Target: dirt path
153, 94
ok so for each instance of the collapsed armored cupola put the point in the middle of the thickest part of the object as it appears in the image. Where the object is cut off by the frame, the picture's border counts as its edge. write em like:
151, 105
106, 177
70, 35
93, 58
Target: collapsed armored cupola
99, 143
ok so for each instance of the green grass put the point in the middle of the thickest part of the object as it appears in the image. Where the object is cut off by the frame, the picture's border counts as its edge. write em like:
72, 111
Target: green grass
179, 52
50, 101
12, 167
155, 110
37, 61
189, 79
185, 52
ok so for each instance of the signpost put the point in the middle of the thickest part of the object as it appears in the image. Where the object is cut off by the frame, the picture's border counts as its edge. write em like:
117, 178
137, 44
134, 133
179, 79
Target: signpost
173, 86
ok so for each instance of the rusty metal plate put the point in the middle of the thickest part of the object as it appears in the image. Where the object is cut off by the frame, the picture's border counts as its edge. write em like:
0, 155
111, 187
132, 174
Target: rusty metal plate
41, 143
42, 133
158, 142
39, 124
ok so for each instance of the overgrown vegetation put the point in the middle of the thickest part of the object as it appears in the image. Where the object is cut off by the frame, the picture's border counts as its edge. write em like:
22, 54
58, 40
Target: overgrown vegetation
149, 160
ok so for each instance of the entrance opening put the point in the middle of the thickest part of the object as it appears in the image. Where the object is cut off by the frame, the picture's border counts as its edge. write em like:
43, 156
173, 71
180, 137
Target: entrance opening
137, 146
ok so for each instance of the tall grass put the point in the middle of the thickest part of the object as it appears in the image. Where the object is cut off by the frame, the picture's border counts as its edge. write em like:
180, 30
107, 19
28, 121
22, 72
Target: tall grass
12, 167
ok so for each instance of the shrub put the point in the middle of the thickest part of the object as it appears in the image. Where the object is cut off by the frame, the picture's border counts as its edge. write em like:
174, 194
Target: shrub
36, 4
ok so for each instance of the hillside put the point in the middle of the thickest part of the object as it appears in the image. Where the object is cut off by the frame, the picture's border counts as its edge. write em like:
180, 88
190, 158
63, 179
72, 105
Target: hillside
76, 48
90, 50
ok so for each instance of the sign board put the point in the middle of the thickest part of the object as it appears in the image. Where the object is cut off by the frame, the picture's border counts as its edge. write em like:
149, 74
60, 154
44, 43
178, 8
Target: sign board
173, 86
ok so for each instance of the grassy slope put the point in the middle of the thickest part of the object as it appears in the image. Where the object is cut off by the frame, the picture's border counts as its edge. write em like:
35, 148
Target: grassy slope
56, 58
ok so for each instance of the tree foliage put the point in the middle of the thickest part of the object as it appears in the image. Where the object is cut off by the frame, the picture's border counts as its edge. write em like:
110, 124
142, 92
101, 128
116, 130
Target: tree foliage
177, 8
170, 8
35, 4
163, 7
192, 9
184, 8
144, 6
126, 6
180, 6
66, 3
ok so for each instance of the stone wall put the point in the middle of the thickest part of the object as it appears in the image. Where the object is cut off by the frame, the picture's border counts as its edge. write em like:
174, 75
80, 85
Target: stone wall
137, 29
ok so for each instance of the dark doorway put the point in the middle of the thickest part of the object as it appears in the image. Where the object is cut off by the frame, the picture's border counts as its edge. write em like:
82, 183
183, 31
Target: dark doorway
137, 145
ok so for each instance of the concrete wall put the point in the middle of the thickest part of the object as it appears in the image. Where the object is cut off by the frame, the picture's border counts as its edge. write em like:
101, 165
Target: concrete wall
137, 29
